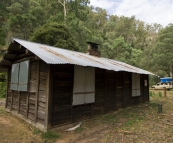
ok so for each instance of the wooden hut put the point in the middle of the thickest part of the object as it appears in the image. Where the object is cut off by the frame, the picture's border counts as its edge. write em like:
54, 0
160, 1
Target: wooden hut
51, 87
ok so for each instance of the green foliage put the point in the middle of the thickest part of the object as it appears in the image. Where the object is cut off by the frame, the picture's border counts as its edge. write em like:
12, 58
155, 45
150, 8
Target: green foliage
15, 8
121, 38
162, 52
160, 94
150, 93
36, 131
2, 85
50, 136
55, 35
2, 36
3, 89
80, 129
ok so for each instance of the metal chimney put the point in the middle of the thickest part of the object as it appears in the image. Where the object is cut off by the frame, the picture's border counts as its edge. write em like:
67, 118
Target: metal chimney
93, 49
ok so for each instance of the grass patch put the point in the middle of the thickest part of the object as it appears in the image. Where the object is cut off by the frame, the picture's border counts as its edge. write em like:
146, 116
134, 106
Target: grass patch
36, 131
1, 110
50, 136
151, 93
80, 129
160, 94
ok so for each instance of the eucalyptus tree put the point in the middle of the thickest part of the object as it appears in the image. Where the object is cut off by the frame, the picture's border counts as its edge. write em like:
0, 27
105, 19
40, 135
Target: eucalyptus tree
3, 18
55, 34
75, 6
163, 51
21, 22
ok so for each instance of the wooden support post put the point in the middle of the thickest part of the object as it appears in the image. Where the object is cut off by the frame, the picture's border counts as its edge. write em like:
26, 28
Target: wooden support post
148, 99
18, 107
164, 92
7, 88
47, 97
72, 112
131, 89
50, 103
27, 104
37, 90
115, 91
11, 100
105, 92
123, 89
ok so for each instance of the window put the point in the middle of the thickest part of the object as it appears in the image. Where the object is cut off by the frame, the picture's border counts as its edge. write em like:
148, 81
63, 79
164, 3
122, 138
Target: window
145, 82
136, 85
84, 85
19, 76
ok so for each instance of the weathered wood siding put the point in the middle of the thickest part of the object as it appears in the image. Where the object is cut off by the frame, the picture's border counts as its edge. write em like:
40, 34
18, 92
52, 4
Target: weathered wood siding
109, 91
30, 104
119, 88
32, 91
8, 93
98, 107
62, 93
146, 88
23, 98
112, 91
127, 89
42, 89
14, 101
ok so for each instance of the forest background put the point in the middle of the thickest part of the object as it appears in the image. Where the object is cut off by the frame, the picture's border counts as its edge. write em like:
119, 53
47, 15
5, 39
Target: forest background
126, 39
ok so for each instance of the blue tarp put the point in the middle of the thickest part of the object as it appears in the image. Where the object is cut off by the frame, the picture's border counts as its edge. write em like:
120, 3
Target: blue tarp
166, 79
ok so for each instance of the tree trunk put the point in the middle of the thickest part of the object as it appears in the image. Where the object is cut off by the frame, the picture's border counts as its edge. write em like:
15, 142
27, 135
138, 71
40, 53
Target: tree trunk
64, 6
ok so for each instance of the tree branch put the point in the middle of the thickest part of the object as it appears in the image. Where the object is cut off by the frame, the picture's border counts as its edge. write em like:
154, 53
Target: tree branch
61, 3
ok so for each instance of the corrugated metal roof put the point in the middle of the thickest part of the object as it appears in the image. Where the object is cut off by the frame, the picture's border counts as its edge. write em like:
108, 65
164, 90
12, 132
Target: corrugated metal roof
53, 55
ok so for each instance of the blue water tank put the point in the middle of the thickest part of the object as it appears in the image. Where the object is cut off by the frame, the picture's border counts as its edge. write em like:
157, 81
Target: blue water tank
166, 79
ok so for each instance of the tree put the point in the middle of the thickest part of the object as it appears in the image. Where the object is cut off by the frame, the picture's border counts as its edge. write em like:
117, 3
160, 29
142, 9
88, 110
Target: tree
163, 51
118, 50
57, 35
73, 5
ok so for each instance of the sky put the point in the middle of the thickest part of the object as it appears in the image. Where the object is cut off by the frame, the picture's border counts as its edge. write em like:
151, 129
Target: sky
149, 11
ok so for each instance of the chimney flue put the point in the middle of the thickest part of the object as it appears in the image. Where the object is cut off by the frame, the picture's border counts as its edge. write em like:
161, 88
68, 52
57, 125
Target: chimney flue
93, 49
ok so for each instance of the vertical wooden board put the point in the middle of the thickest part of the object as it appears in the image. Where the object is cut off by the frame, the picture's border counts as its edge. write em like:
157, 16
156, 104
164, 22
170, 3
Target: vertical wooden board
82, 112
47, 96
105, 92
146, 88
37, 89
110, 90
119, 88
11, 100
23, 97
126, 89
62, 94
142, 88
18, 108
99, 92
27, 104
15, 101
115, 91
7, 88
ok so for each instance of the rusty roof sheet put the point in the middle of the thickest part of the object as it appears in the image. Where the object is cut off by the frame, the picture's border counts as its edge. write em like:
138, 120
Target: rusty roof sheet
53, 55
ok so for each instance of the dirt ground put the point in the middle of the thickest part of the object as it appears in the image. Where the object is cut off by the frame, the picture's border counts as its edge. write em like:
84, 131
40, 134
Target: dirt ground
15, 130
137, 124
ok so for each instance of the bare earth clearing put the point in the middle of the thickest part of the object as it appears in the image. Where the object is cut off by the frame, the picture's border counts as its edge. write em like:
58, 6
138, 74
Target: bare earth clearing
137, 124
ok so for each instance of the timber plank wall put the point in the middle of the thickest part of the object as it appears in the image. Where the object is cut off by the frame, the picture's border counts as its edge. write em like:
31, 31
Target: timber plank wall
112, 91
31, 104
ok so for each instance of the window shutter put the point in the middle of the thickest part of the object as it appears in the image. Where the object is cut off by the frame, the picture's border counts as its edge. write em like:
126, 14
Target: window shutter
23, 76
136, 84
14, 76
84, 85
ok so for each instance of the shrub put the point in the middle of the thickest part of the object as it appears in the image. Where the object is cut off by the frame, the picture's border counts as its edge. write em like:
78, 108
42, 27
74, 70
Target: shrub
2, 89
